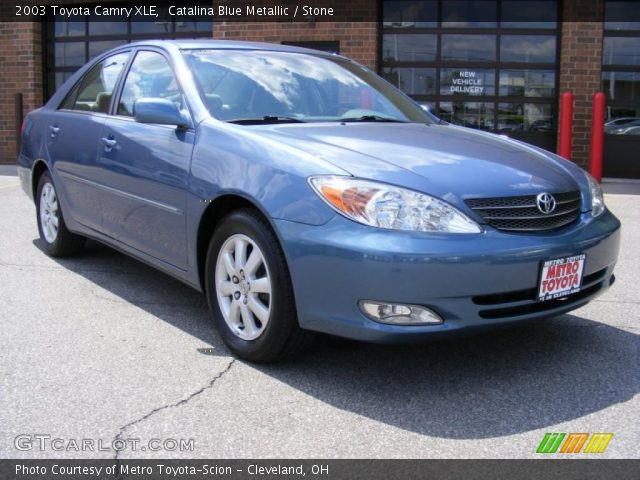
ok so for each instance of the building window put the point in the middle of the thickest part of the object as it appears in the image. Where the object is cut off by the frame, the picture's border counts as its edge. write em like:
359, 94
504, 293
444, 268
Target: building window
487, 64
621, 65
469, 13
468, 48
528, 48
72, 42
528, 83
410, 14
621, 85
621, 15
410, 47
621, 51
411, 80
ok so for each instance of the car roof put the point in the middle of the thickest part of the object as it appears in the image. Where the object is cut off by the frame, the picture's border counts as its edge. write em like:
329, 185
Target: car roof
188, 44
191, 44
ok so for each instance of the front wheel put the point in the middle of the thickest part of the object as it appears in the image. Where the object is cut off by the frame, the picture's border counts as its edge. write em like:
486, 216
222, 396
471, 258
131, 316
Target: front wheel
57, 239
249, 290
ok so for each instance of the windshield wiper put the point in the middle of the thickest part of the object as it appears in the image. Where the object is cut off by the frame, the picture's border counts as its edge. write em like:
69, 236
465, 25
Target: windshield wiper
371, 118
265, 120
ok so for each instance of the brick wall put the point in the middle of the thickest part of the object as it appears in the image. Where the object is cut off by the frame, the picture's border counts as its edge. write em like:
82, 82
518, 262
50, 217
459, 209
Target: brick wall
21, 66
358, 40
580, 66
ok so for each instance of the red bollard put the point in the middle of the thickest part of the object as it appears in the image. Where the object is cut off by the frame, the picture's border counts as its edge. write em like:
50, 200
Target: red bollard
597, 136
566, 125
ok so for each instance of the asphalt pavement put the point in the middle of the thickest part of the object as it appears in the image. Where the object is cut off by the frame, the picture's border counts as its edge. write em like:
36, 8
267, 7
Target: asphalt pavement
103, 348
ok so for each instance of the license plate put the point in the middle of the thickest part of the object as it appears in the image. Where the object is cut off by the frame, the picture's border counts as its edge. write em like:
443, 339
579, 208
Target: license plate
561, 277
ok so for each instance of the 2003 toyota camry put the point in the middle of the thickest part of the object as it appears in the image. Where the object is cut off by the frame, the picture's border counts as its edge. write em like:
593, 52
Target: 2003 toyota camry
301, 192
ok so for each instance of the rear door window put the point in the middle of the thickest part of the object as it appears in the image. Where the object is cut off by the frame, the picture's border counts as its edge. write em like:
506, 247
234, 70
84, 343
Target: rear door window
94, 92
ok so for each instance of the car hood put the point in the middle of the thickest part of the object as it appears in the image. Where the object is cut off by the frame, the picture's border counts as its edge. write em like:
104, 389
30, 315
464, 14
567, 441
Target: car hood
450, 161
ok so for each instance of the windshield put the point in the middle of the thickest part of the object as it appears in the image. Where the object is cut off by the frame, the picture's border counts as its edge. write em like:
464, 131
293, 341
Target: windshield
248, 86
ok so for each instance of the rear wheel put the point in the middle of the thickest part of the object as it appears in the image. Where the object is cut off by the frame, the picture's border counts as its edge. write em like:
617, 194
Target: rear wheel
249, 290
57, 239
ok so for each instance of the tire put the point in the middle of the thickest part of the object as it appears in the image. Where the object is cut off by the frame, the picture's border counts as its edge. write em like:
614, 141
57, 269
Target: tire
246, 329
58, 241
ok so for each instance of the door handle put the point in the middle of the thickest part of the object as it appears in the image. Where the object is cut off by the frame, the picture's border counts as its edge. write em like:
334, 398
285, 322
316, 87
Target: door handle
109, 144
53, 130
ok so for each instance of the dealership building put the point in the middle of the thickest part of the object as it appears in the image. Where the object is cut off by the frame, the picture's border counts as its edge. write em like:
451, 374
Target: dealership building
495, 65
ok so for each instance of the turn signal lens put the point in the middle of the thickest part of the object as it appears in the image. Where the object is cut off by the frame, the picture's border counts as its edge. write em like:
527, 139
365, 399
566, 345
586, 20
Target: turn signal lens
597, 197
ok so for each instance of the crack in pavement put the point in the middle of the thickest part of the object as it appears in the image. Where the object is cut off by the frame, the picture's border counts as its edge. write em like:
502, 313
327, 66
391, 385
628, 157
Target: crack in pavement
173, 405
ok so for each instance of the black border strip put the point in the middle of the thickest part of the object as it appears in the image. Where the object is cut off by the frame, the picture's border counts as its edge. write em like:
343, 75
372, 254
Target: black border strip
327, 469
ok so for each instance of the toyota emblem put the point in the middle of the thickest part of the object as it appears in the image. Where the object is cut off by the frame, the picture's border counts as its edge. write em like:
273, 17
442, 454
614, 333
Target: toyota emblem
546, 203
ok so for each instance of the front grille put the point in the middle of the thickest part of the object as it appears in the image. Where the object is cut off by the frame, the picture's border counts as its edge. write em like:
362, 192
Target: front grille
539, 307
521, 214
529, 293
524, 302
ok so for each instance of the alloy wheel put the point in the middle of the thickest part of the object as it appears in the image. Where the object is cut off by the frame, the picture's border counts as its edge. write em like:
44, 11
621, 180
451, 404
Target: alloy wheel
49, 218
243, 287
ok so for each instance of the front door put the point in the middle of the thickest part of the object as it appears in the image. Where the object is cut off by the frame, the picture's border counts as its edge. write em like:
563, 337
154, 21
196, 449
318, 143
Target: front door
144, 168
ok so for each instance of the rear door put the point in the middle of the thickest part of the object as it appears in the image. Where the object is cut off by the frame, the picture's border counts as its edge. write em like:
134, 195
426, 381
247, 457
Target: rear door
73, 138
144, 168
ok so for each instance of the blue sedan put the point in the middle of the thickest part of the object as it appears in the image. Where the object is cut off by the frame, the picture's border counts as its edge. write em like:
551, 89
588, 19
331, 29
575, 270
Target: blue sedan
303, 193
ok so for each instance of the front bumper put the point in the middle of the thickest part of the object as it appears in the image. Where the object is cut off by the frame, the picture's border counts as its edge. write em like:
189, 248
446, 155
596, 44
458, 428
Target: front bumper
472, 281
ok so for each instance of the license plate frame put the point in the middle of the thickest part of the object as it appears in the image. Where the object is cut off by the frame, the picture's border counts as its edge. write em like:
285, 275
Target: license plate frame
557, 278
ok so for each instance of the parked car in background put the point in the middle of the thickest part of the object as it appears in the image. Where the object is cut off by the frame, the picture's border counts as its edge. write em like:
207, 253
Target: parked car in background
508, 125
504, 125
303, 193
541, 126
619, 126
616, 122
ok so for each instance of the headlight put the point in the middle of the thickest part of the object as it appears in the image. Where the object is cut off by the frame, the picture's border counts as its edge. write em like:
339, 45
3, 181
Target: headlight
597, 198
385, 206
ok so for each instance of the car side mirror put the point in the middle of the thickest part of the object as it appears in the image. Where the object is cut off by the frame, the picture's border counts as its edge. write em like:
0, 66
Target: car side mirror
159, 111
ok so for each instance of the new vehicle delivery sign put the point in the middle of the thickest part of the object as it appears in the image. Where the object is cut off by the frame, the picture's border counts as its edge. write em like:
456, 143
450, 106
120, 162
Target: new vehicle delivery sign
561, 277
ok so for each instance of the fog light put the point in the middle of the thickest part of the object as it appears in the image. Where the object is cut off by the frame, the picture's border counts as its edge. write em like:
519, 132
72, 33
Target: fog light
399, 314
